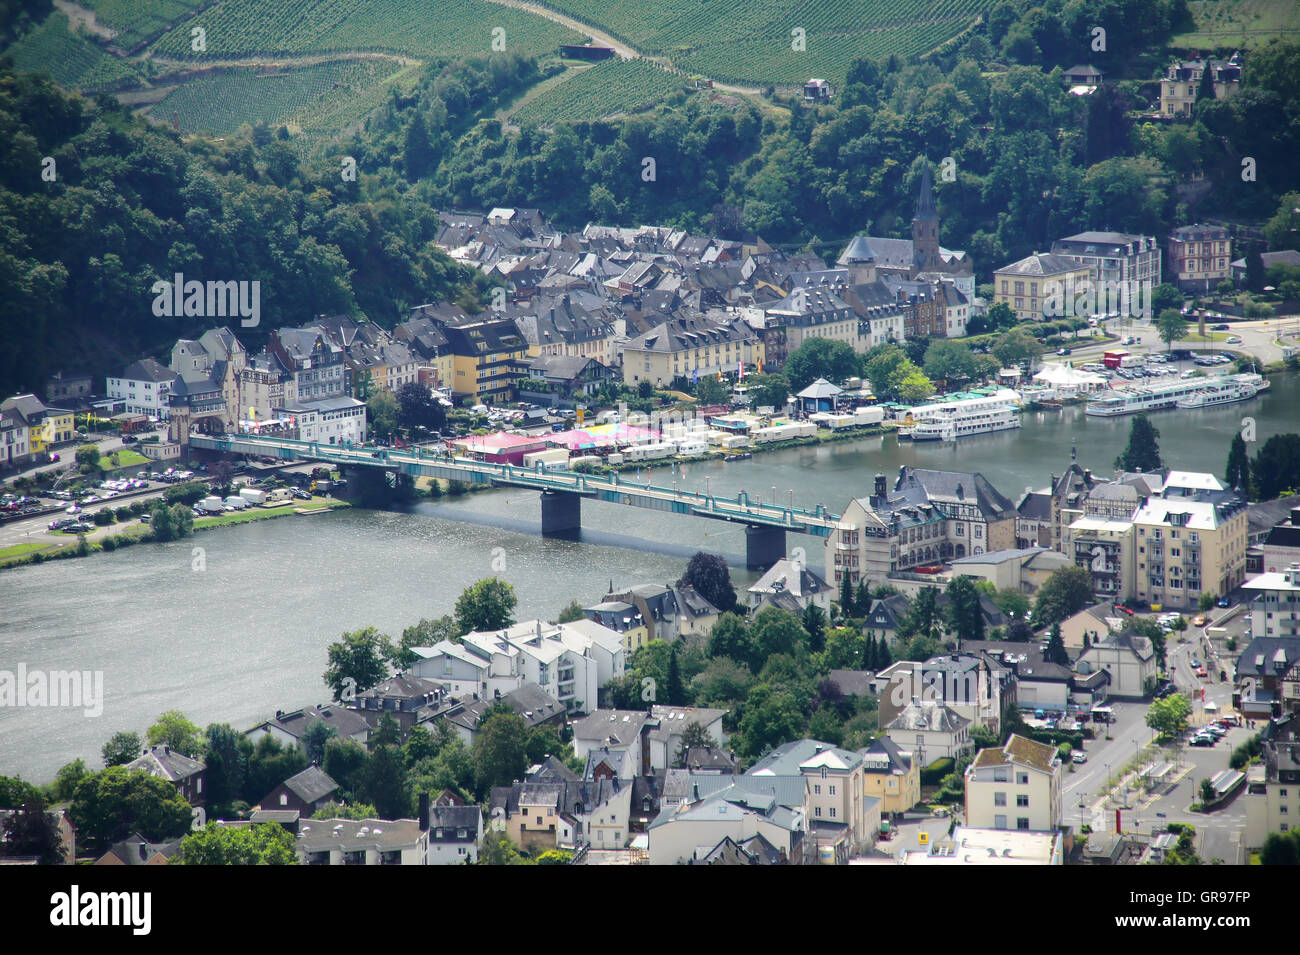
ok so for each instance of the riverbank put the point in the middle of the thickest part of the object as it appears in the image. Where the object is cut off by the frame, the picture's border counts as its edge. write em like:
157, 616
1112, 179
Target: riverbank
62, 547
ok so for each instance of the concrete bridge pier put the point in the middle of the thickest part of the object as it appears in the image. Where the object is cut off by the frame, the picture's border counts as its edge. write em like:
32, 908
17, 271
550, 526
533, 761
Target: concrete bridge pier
561, 514
764, 546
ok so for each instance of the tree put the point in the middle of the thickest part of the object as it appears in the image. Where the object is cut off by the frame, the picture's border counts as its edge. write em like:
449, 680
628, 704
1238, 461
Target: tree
16, 792
1063, 594
1055, 651
1143, 451
162, 522
88, 458
1281, 848
1166, 296
174, 730
777, 631
1205, 89
1168, 717
345, 763
384, 783
913, 387
814, 622
417, 408
31, 831
1237, 472
1015, 346
963, 613
710, 390
266, 844
381, 413
227, 766
67, 778
1014, 603
497, 849
731, 639
571, 613
121, 749
846, 649
820, 358
314, 739
949, 360
879, 366
772, 716
848, 600
710, 577
674, 691
356, 663
355, 810
694, 736
110, 805
486, 605
1000, 315
1276, 467
270, 763
1171, 326
426, 633
499, 751
768, 391
922, 618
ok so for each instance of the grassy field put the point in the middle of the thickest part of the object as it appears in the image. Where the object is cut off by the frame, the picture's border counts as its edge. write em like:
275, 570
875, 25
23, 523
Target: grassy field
265, 513
327, 95
411, 27
610, 88
126, 458
22, 550
74, 61
1239, 24
748, 42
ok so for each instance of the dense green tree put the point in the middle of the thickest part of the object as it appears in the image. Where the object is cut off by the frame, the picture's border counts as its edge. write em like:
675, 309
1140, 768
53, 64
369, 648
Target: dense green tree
1276, 468
32, 831
345, 763
418, 411
710, 390
270, 763
814, 622
226, 763
722, 683
381, 413
1168, 717
499, 752
1281, 848
694, 736
819, 358
772, 716
267, 844
922, 618
488, 604
962, 611
426, 633
1143, 451
121, 749
110, 805
1015, 346
571, 613
1171, 326
67, 778
1237, 472
174, 730
1063, 594
385, 783
771, 390
674, 692
778, 631
357, 662
710, 576
16, 792
1014, 603
1055, 651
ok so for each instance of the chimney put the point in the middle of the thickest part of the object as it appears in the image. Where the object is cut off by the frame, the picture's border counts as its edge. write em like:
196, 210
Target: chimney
880, 486
1295, 516
424, 812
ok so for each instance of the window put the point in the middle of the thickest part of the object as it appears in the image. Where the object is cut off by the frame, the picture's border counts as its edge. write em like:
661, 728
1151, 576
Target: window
832, 790
1022, 779
999, 775
999, 799
1022, 823
817, 790
999, 822
1022, 801
832, 812
818, 812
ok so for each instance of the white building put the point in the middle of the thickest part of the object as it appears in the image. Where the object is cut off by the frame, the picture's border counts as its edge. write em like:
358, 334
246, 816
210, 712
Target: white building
145, 386
337, 420
1275, 603
1017, 786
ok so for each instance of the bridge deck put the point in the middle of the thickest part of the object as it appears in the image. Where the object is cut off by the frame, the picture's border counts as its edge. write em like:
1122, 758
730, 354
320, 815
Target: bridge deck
612, 489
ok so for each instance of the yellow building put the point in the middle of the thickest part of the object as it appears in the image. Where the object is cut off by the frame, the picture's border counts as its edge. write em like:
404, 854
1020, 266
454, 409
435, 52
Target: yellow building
1040, 285
488, 359
1190, 540
624, 619
691, 348
892, 776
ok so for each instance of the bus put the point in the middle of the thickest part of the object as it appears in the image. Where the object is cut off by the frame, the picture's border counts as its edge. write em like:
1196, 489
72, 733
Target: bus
1103, 714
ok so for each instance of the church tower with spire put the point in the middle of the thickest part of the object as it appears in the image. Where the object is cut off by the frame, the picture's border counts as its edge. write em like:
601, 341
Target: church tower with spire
925, 227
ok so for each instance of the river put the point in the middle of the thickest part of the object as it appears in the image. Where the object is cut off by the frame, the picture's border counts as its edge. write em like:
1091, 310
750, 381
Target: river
246, 634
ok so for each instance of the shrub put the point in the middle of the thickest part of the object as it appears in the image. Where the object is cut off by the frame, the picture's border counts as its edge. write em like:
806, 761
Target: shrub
103, 518
109, 543
933, 774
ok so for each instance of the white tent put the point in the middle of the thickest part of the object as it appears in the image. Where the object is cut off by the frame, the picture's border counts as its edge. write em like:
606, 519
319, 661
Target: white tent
1066, 380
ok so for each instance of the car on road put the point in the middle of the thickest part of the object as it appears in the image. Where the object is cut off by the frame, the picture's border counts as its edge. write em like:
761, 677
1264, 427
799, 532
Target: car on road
1079, 756
1221, 327
1198, 620
1224, 602
74, 509
1233, 340
1063, 351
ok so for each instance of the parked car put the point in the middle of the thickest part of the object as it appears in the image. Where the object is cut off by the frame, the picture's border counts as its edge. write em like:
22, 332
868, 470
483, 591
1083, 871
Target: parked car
1063, 351
1202, 741
146, 518
1224, 602
1079, 756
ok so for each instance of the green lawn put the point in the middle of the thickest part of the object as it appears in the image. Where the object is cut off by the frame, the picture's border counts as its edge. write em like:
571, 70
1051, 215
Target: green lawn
125, 458
262, 513
20, 550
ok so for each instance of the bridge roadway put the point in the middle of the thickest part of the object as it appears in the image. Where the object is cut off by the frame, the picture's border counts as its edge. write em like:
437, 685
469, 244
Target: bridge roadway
562, 489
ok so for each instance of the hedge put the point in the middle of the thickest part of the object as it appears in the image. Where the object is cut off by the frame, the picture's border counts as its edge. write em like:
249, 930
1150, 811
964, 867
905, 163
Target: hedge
933, 774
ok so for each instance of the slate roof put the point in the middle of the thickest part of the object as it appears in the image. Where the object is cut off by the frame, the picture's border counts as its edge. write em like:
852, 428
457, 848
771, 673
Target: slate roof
928, 716
165, 763
623, 726
852, 682
954, 486
311, 785
1041, 264
346, 722
351, 835
1268, 656
146, 369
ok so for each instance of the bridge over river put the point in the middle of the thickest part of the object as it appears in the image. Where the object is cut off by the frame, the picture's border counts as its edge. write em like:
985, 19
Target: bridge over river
766, 523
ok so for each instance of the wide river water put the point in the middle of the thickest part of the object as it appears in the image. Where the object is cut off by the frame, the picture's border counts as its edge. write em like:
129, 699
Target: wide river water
246, 635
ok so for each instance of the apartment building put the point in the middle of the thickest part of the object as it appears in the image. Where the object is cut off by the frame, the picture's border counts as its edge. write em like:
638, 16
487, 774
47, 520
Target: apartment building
1273, 790
312, 359
1029, 285
145, 386
1106, 549
1189, 542
1275, 603
1115, 260
690, 348
1016, 786
1200, 256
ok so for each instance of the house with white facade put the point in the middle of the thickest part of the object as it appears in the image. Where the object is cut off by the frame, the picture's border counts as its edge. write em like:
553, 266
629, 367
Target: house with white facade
145, 386
1015, 786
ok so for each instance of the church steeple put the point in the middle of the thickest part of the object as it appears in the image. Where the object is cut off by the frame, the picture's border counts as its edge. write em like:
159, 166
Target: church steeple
925, 227
925, 210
